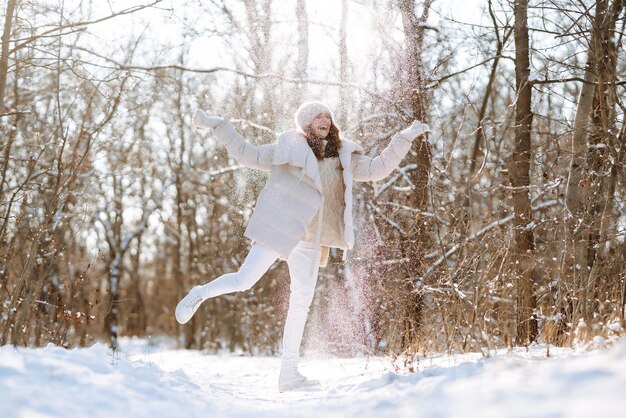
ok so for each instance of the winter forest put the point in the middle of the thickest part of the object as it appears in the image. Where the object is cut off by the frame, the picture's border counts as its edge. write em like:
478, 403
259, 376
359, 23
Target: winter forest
503, 227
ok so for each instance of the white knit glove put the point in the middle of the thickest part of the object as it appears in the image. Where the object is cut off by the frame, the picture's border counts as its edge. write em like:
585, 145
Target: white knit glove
202, 120
415, 130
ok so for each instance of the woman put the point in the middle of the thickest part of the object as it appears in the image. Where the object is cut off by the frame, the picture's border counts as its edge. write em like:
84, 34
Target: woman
304, 208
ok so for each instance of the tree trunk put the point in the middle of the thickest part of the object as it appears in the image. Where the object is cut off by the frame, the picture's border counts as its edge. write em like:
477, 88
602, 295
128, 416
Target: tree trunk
116, 258
601, 164
578, 189
4, 56
414, 38
416, 239
178, 148
10, 139
111, 319
260, 35
302, 63
527, 328
343, 65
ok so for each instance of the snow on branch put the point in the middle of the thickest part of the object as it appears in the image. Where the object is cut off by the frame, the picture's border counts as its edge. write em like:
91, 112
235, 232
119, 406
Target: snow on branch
387, 219
217, 172
401, 173
416, 211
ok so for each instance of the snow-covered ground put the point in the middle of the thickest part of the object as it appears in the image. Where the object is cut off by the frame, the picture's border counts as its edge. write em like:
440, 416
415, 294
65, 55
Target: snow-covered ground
148, 380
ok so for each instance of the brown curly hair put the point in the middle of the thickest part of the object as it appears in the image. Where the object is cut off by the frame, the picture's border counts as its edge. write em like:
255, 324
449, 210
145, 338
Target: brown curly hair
332, 147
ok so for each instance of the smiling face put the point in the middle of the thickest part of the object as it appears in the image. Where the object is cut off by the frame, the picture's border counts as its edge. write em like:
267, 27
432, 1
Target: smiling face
321, 125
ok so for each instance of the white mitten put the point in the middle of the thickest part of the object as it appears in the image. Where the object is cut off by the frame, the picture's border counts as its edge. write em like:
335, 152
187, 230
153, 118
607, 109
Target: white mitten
415, 130
202, 120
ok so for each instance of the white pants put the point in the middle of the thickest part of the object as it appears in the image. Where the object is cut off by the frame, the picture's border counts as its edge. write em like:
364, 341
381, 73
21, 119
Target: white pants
303, 262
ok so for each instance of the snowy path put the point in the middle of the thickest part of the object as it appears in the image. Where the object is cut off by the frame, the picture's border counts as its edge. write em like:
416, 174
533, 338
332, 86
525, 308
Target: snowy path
157, 382
249, 384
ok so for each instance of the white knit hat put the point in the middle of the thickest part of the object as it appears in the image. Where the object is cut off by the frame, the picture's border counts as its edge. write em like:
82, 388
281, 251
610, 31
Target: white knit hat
309, 111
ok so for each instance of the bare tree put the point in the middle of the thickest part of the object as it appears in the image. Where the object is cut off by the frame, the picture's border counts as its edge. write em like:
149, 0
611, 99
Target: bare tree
592, 175
601, 170
527, 329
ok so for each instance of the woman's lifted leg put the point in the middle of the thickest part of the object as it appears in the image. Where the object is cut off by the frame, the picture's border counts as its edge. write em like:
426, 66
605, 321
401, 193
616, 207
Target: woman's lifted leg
257, 262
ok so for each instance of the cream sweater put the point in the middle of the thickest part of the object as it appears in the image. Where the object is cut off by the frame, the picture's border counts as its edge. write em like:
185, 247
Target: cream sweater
330, 215
334, 203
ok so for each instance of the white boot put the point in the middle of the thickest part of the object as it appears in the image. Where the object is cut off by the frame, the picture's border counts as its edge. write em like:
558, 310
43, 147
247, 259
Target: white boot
290, 378
189, 305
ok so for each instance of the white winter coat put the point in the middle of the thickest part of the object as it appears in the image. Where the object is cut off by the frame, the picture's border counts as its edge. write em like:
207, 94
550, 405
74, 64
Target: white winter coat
287, 204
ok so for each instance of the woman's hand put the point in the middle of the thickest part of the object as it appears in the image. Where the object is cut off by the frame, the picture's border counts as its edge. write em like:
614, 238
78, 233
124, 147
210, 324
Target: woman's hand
202, 120
415, 130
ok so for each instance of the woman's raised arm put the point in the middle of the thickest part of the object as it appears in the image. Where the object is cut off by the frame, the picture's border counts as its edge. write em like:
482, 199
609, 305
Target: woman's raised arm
374, 169
245, 153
